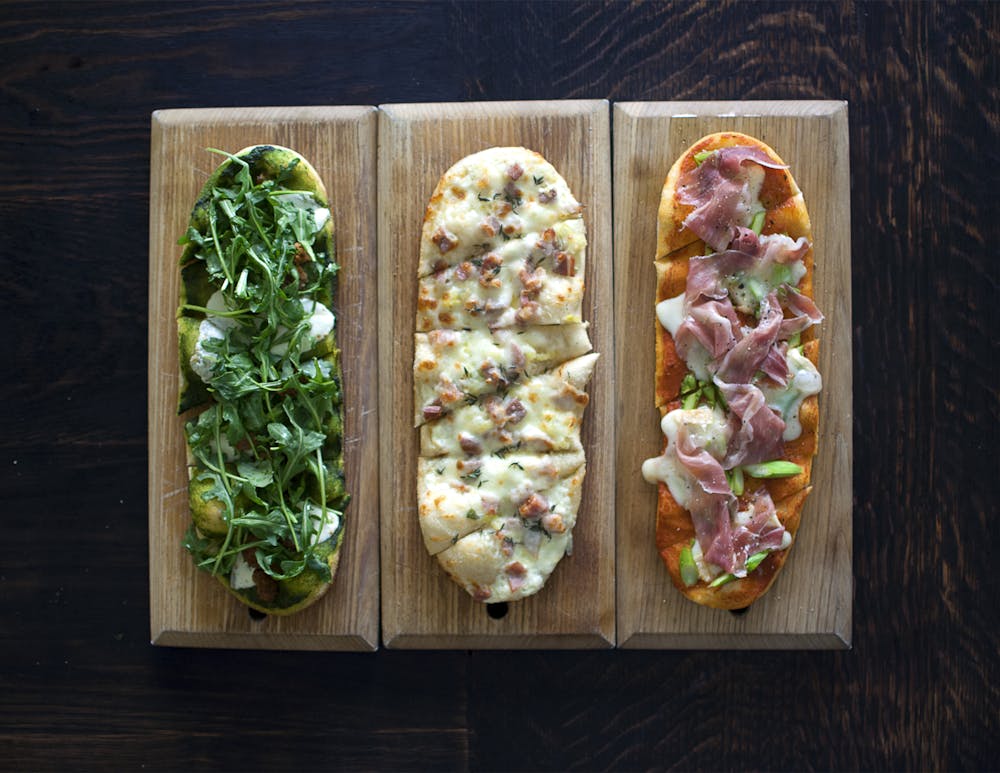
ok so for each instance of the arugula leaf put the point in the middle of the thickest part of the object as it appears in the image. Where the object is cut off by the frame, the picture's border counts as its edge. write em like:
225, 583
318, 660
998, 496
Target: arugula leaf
260, 444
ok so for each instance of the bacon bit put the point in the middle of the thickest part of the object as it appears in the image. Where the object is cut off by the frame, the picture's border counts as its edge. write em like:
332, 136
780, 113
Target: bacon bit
533, 507
489, 269
506, 546
565, 264
513, 192
493, 375
501, 207
439, 266
553, 523
490, 226
464, 270
442, 337
517, 357
514, 171
469, 444
468, 466
493, 406
532, 280
529, 310
546, 197
433, 410
516, 411
300, 258
267, 586
548, 242
516, 574
449, 393
491, 505
481, 594
444, 240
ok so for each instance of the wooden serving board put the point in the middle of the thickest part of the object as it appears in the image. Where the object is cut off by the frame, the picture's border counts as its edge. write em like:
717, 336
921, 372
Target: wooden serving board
809, 605
421, 607
188, 607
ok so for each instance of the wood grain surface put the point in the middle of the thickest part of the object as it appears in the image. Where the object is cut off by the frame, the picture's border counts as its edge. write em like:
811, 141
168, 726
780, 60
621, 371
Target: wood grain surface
82, 687
809, 606
189, 607
421, 607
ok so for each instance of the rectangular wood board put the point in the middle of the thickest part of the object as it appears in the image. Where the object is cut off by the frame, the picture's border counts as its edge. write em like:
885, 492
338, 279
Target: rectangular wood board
809, 605
188, 607
421, 607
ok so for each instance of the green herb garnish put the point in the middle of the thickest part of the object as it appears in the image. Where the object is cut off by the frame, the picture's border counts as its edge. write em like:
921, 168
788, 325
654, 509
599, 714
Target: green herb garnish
259, 447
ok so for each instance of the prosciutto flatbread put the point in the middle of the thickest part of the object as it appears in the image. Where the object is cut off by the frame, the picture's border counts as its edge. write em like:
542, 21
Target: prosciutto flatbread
736, 377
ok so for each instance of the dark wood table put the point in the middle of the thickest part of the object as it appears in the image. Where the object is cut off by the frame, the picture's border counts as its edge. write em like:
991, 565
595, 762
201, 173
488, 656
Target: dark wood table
80, 685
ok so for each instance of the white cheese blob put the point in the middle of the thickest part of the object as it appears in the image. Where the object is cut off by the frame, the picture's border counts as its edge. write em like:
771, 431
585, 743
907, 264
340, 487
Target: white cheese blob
213, 326
707, 429
241, 576
750, 199
670, 313
803, 380
321, 322
329, 528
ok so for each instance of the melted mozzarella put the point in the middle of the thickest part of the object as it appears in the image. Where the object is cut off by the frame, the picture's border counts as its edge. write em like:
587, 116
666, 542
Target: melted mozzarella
241, 576
803, 380
670, 313
707, 428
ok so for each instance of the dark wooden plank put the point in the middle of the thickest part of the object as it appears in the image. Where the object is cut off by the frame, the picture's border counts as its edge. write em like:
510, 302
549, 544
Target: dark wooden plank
82, 688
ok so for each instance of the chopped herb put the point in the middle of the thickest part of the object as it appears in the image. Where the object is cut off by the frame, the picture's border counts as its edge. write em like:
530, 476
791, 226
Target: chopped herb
515, 464
538, 180
472, 515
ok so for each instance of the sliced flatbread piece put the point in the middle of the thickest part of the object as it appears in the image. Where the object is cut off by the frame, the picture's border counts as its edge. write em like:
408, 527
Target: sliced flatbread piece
536, 280
673, 535
454, 367
490, 198
512, 556
459, 496
541, 414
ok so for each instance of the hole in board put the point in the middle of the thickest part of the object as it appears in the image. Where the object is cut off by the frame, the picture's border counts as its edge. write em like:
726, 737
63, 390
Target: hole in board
256, 614
497, 611
739, 612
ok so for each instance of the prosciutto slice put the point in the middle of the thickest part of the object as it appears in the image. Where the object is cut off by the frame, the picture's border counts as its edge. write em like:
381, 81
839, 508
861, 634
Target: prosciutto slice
757, 430
718, 191
712, 502
741, 362
713, 324
761, 531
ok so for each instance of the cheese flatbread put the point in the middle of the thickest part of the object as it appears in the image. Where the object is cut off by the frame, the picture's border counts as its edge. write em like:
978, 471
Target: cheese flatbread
500, 366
